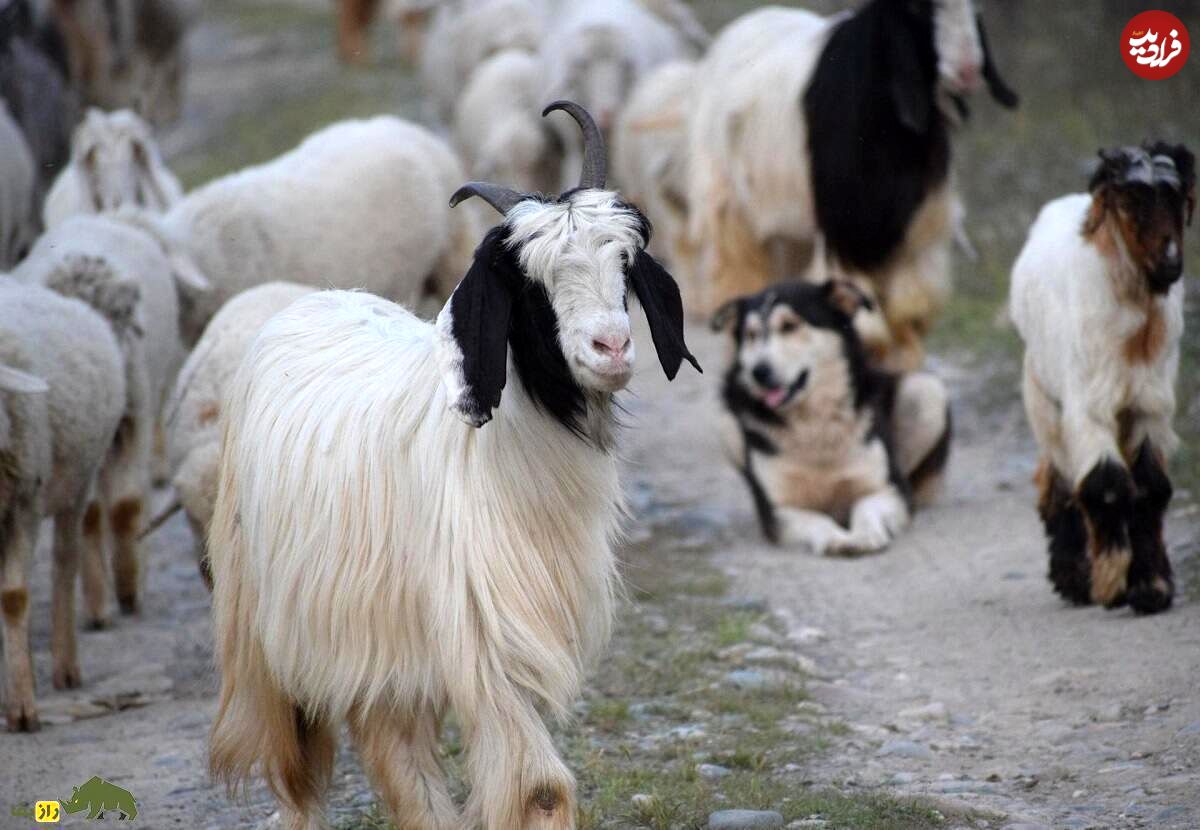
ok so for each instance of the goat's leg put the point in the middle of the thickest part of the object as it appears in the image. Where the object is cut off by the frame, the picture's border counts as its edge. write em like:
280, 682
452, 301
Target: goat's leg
1106, 496
304, 776
1070, 571
518, 780
1151, 586
400, 754
67, 543
95, 568
16, 557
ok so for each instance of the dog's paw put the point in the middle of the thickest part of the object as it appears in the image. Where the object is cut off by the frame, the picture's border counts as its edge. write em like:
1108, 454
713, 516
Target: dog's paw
860, 543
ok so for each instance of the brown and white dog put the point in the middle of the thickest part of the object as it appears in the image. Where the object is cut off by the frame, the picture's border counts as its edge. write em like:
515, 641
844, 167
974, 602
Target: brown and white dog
836, 453
1097, 296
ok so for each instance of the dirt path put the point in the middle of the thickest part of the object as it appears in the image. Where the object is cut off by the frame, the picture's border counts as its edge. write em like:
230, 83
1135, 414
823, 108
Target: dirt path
960, 673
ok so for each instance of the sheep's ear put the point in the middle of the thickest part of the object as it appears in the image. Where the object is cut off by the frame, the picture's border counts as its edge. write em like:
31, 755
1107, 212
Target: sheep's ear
187, 273
151, 190
473, 332
14, 380
911, 91
659, 295
999, 89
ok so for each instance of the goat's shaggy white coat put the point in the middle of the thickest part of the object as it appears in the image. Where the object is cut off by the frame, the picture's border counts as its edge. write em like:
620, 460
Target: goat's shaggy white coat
1075, 327
115, 163
359, 204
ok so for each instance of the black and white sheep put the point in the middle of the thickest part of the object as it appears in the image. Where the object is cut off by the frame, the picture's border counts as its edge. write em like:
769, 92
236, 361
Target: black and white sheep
827, 140
62, 393
375, 559
1098, 300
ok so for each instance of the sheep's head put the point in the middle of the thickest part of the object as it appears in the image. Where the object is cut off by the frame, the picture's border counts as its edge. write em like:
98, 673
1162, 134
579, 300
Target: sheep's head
1150, 191
552, 282
118, 160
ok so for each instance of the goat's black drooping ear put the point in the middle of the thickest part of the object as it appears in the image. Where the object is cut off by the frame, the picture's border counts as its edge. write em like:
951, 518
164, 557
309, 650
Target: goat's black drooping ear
726, 314
1185, 165
473, 328
659, 295
911, 89
1001, 91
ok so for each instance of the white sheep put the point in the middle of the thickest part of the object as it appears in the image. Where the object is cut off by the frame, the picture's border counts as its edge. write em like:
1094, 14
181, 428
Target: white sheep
18, 188
825, 141
596, 52
497, 128
377, 560
192, 414
650, 158
1097, 297
463, 35
115, 163
350, 207
62, 392
96, 259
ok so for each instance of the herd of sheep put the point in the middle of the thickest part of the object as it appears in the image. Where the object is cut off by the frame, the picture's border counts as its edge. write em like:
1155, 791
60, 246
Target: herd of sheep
401, 518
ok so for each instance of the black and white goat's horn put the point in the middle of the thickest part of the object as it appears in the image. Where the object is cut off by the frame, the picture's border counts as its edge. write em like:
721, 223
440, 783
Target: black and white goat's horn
501, 198
595, 162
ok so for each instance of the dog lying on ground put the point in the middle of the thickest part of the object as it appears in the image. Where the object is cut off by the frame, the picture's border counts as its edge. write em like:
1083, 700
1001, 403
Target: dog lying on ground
836, 453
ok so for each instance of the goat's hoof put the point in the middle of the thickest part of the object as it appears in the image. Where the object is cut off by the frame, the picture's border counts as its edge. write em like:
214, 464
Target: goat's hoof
98, 623
1151, 597
67, 677
23, 718
130, 604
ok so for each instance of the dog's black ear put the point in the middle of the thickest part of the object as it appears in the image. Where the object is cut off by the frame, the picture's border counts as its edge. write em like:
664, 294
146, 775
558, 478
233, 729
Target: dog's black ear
473, 329
847, 297
1000, 90
725, 315
659, 295
911, 90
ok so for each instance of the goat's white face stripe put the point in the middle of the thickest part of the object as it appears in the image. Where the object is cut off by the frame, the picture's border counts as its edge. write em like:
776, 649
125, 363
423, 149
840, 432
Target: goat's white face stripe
578, 250
956, 38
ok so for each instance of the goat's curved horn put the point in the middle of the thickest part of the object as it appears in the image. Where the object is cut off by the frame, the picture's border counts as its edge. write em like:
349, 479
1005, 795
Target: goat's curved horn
501, 198
595, 162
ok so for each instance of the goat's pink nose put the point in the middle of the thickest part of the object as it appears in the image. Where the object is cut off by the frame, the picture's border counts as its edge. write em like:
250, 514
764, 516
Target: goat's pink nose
611, 345
969, 76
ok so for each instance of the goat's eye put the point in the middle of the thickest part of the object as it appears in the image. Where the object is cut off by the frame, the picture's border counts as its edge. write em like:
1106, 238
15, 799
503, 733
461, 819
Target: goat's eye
787, 327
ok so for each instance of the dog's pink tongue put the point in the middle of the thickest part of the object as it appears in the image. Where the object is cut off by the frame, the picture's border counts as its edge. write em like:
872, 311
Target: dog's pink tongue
774, 397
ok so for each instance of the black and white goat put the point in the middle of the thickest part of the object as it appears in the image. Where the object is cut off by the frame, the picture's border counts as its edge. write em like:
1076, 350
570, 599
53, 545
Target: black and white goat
859, 178
1097, 297
375, 559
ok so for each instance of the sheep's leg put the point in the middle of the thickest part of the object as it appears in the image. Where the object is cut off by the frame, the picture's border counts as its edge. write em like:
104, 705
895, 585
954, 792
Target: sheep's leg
1070, 571
15, 560
1106, 496
1151, 585
67, 538
921, 426
351, 43
95, 569
125, 518
518, 780
400, 755
125, 483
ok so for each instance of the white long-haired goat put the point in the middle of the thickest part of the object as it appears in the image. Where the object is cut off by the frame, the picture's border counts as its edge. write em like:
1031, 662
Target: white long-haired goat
378, 561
